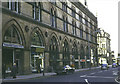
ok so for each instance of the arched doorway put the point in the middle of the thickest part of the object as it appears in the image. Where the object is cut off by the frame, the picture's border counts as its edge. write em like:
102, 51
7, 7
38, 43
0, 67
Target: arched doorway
54, 55
37, 51
12, 49
66, 54
75, 55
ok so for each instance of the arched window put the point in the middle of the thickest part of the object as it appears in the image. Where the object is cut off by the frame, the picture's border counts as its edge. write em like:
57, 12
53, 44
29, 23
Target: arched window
36, 39
12, 35
74, 51
54, 55
53, 18
66, 54
37, 11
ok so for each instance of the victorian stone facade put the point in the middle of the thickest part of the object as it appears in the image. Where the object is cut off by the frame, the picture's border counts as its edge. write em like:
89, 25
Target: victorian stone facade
49, 34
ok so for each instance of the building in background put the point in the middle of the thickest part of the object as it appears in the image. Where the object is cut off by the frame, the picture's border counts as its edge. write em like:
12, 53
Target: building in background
104, 47
49, 34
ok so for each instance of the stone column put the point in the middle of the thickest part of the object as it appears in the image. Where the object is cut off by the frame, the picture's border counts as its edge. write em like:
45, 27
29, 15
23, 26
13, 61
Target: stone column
61, 57
27, 68
79, 61
0, 42
46, 61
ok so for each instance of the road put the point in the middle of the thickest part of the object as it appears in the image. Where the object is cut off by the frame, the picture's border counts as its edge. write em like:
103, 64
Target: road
88, 77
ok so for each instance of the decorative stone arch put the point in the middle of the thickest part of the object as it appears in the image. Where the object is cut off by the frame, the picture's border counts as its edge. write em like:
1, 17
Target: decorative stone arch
65, 38
37, 29
14, 23
65, 51
37, 45
54, 47
55, 35
14, 45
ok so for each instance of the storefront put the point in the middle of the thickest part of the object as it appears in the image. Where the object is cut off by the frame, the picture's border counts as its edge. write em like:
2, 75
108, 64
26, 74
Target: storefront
37, 58
37, 52
13, 50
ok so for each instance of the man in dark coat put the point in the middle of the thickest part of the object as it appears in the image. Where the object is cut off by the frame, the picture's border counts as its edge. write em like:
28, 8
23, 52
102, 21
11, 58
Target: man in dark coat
14, 70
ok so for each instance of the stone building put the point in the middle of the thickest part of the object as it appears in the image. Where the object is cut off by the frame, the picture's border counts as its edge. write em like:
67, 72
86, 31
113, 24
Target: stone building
104, 47
48, 33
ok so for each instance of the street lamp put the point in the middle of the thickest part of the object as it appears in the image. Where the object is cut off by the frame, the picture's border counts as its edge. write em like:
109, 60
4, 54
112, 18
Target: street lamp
97, 31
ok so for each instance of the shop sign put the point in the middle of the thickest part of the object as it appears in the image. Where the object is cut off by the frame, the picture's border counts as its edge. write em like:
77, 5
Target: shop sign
82, 60
88, 60
76, 60
40, 49
12, 45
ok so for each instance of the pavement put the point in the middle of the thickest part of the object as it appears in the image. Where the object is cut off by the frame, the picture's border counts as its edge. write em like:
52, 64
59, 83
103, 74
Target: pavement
41, 74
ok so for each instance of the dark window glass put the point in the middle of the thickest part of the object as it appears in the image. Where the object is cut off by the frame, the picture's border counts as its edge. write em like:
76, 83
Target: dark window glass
12, 35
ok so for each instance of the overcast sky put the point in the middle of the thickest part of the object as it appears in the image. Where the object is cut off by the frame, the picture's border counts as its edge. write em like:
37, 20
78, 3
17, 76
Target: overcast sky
107, 13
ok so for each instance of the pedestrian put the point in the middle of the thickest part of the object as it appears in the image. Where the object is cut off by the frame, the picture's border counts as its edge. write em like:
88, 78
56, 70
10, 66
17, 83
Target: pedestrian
14, 70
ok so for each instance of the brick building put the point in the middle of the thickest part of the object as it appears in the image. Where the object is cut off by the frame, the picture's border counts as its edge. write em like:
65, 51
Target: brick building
47, 33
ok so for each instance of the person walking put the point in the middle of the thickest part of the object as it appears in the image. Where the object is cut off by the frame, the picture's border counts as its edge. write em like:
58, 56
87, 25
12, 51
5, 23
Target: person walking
14, 70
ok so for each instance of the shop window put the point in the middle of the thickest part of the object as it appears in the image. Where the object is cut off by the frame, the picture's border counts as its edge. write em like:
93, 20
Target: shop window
14, 5
37, 11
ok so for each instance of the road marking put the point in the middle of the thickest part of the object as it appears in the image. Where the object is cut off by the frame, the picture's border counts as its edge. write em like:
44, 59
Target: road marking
100, 71
87, 81
92, 73
98, 77
83, 76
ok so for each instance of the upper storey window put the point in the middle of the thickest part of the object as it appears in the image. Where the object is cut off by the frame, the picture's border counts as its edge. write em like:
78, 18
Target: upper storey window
37, 11
80, 17
53, 18
64, 7
73, 12
74, 28
65, 25
14, 5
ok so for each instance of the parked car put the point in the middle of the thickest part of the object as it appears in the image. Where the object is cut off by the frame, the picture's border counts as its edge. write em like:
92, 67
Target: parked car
114, 65
104, 66
66, 69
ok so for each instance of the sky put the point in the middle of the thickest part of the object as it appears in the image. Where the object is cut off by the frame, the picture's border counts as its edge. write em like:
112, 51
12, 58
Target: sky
107, 15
